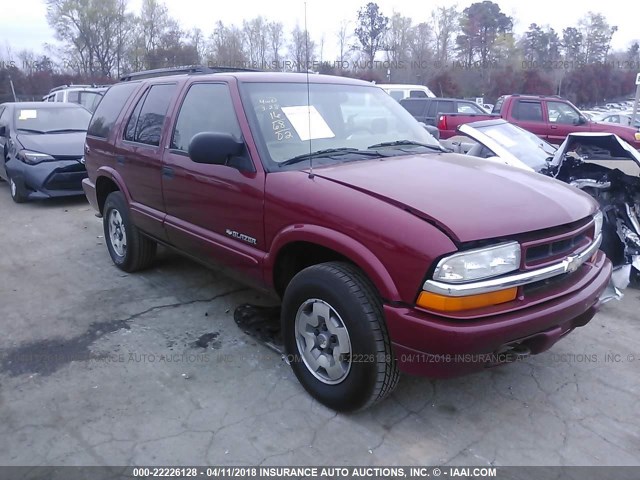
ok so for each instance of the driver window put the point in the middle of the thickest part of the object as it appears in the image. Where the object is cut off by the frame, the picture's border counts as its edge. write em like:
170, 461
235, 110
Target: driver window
561, 113
207, 107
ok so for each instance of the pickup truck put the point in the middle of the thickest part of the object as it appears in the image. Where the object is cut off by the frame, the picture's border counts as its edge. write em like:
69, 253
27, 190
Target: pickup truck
428, 110
550, 117
387, 253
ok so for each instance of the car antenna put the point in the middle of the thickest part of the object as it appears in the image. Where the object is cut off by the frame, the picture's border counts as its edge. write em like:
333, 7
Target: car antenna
306, 55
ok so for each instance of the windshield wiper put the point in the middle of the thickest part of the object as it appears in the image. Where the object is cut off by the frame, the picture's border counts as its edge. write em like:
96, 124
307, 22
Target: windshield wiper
406, 143
67, 130
30, 130
329, 152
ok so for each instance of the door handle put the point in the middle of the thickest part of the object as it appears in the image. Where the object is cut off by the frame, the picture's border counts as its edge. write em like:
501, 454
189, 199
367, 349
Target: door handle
167, 172
554, 127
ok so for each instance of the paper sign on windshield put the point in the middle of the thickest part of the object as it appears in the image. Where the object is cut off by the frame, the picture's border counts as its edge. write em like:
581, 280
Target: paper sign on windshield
307, 122
27, 114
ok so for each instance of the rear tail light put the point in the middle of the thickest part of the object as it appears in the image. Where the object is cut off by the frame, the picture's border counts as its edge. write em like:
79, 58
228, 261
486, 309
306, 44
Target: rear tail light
442, 123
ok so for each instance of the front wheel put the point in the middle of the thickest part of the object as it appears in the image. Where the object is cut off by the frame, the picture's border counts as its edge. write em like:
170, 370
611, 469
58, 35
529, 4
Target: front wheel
130, 250
336, 337
17, 193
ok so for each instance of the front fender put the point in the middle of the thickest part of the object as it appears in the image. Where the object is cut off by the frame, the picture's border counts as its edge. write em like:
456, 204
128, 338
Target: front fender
338, 242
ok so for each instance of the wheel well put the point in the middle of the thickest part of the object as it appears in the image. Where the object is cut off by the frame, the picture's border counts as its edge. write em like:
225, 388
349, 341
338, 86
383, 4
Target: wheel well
104, 186
296, 257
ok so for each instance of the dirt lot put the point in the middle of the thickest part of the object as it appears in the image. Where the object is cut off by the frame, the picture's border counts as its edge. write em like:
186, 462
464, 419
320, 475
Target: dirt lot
98, 367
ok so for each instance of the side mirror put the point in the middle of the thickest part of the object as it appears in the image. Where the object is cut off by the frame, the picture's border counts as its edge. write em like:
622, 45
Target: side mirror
214, 148
3, 131
581, 120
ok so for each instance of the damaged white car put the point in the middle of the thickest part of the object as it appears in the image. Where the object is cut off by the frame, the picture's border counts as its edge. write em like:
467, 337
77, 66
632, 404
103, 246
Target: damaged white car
601, 164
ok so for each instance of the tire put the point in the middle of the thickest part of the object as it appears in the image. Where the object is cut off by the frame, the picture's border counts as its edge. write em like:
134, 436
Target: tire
365, 369
130, 250
17, 191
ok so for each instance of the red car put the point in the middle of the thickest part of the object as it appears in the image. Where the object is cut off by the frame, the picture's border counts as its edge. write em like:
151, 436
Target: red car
549, 117
388, 254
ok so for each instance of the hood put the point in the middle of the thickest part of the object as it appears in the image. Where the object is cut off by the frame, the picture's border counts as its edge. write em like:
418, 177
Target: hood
469, 198
608, 142
613, 128
54, 144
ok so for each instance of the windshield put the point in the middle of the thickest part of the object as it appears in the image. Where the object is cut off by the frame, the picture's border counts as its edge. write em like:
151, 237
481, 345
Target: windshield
526, 146
347, 117
51, 119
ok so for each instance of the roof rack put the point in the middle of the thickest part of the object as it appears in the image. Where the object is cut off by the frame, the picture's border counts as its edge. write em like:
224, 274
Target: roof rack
183, 70
534, 95
62, 87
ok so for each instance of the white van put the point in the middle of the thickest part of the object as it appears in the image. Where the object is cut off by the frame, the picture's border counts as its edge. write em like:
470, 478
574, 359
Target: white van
86, 95
399, 91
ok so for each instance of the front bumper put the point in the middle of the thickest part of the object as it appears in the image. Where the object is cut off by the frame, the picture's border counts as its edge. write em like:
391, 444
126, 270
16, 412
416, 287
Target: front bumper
432, 345
59, 178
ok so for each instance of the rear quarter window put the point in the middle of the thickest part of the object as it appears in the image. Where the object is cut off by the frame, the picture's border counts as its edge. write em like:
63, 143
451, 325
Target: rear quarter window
109, 109
414, 107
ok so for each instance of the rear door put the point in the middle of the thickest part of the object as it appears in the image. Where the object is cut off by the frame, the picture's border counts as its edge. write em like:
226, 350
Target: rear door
529, 114
416, 107
214, 212
139, 156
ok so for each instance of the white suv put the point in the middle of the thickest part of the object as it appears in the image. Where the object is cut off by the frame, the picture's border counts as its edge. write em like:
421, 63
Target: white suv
86, 95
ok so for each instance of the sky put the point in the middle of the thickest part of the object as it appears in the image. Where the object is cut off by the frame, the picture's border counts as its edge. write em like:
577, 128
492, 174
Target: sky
24, 26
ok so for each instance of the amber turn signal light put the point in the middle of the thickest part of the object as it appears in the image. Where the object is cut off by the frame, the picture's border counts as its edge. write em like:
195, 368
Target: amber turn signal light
442, 303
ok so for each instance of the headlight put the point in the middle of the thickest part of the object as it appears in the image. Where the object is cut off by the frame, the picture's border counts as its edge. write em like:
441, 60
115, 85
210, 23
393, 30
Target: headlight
479, 263
598, 219
637, 136
33, 158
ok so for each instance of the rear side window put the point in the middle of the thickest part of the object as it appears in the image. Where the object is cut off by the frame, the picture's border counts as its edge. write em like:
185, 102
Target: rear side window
207, 107
418, 94
152, 114
468, 107
130, 129
89, 100
414, 107
397, 94
73, 96
446, 106
528, 111
107, 112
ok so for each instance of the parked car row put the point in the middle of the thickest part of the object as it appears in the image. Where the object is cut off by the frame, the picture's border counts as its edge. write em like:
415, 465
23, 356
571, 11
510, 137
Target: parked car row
549, 117
388, 252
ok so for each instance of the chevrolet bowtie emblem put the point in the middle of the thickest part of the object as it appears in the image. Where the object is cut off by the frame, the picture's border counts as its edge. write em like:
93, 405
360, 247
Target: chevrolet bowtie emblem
573, 263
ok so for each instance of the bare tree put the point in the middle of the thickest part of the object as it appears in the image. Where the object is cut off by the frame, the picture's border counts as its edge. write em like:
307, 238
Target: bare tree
255, 35
344, 38
302, 49
398, 38
276, 41
444, 23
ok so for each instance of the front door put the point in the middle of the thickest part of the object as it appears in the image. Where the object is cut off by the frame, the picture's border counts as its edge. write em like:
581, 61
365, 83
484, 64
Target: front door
214, 212
563, 120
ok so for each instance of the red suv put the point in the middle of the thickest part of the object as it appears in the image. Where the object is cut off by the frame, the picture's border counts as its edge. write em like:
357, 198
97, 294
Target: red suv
388, 253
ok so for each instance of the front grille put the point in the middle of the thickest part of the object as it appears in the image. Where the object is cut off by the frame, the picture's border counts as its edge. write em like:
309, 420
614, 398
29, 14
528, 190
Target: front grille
545, 251
558, 248
67, 178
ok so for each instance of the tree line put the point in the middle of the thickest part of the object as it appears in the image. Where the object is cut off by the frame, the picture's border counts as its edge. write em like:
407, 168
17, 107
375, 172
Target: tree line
456, 52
